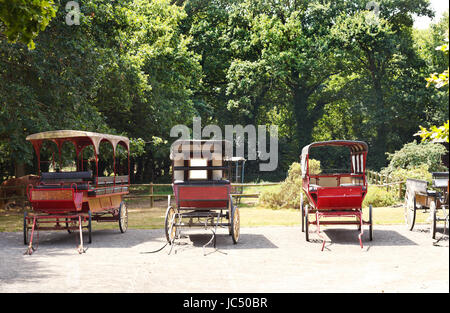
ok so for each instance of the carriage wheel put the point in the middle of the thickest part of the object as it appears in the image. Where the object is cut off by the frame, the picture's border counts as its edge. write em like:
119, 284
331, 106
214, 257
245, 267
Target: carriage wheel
123, 217
410, 211
303, 216
89, 227
25, 228
306, 223
235, 224
370, 223
230, 206
170, 228
433, 216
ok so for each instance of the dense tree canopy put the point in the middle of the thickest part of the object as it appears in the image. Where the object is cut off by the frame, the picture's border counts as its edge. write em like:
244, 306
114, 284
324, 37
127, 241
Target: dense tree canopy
319, 70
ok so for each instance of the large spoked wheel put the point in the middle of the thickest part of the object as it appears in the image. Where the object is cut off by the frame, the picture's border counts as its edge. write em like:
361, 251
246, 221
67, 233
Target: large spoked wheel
170, 228
306, 223
123, 217
25, 228
410, 210
230, 207
433, 216
303, 216
235, 224
370, 223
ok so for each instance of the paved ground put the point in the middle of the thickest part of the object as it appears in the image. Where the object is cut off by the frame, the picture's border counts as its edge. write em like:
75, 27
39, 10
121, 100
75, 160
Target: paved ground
267, 259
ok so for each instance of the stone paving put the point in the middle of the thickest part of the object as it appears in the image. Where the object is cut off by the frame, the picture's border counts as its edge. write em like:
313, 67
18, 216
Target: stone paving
266, 259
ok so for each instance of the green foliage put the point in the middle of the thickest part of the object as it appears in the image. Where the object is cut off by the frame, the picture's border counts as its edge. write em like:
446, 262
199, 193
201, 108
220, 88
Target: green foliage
320, 70
413, 155
288, 195
417, 172
379, 197
22, 20
434, 134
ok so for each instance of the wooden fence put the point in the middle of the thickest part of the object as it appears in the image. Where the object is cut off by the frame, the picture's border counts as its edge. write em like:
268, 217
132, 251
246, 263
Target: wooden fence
152, 195
379, 180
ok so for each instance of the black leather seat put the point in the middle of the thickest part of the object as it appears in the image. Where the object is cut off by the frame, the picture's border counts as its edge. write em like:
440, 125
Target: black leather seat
86, 175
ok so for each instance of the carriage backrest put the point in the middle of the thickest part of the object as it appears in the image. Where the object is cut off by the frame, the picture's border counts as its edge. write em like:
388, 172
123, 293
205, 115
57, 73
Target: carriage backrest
440, 179
56, 177
416, 186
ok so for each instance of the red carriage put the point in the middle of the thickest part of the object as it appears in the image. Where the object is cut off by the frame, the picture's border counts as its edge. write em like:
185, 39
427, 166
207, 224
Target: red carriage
71, 200
336, 195
201, 169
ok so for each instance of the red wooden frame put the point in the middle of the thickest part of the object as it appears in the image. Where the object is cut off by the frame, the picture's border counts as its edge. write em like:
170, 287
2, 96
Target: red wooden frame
342, 200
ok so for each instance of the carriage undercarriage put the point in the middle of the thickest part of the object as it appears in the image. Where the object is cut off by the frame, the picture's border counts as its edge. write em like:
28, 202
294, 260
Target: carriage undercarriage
177, 219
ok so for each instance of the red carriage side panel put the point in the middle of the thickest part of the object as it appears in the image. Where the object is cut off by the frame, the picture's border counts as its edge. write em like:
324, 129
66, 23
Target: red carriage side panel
340, 198
56, 200
202, 196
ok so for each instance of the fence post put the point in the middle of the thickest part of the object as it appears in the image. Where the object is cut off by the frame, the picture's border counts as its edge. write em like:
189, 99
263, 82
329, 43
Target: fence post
400, 186
151, 195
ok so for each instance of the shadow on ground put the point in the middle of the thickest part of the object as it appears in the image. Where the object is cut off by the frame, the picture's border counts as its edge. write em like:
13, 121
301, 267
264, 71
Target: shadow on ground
225, 242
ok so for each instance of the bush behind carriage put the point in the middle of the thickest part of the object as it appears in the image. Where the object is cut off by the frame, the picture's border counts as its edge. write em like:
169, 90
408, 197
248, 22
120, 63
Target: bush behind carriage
288, 195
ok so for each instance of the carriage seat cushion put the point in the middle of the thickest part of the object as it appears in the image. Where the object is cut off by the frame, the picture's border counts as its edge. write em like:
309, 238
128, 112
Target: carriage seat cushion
202, 182
86, 175
313, 187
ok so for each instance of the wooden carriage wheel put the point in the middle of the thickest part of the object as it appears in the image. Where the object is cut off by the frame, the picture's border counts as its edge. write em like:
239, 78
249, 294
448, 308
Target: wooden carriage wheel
235, 224
170, 228
25, 228
89, 227
433, 216
303, 215
123, 217
410, 210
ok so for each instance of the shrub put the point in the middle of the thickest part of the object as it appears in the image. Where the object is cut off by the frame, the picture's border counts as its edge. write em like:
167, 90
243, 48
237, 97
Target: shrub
288, 195
379, 197
418, 172
414, 155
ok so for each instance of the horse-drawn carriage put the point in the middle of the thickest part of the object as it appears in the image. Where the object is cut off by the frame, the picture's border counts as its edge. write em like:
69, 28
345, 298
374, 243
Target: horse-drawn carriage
419, 196
71, 200
201, 169
336, 195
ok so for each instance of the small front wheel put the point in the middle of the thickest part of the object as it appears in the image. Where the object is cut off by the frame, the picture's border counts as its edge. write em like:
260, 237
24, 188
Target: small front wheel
123, 217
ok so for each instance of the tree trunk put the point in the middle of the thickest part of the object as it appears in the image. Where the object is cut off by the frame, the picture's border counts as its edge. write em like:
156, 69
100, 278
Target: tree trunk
305, 122
19, 169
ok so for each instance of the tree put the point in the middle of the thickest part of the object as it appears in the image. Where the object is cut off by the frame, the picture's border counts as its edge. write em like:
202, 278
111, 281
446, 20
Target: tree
23, 20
